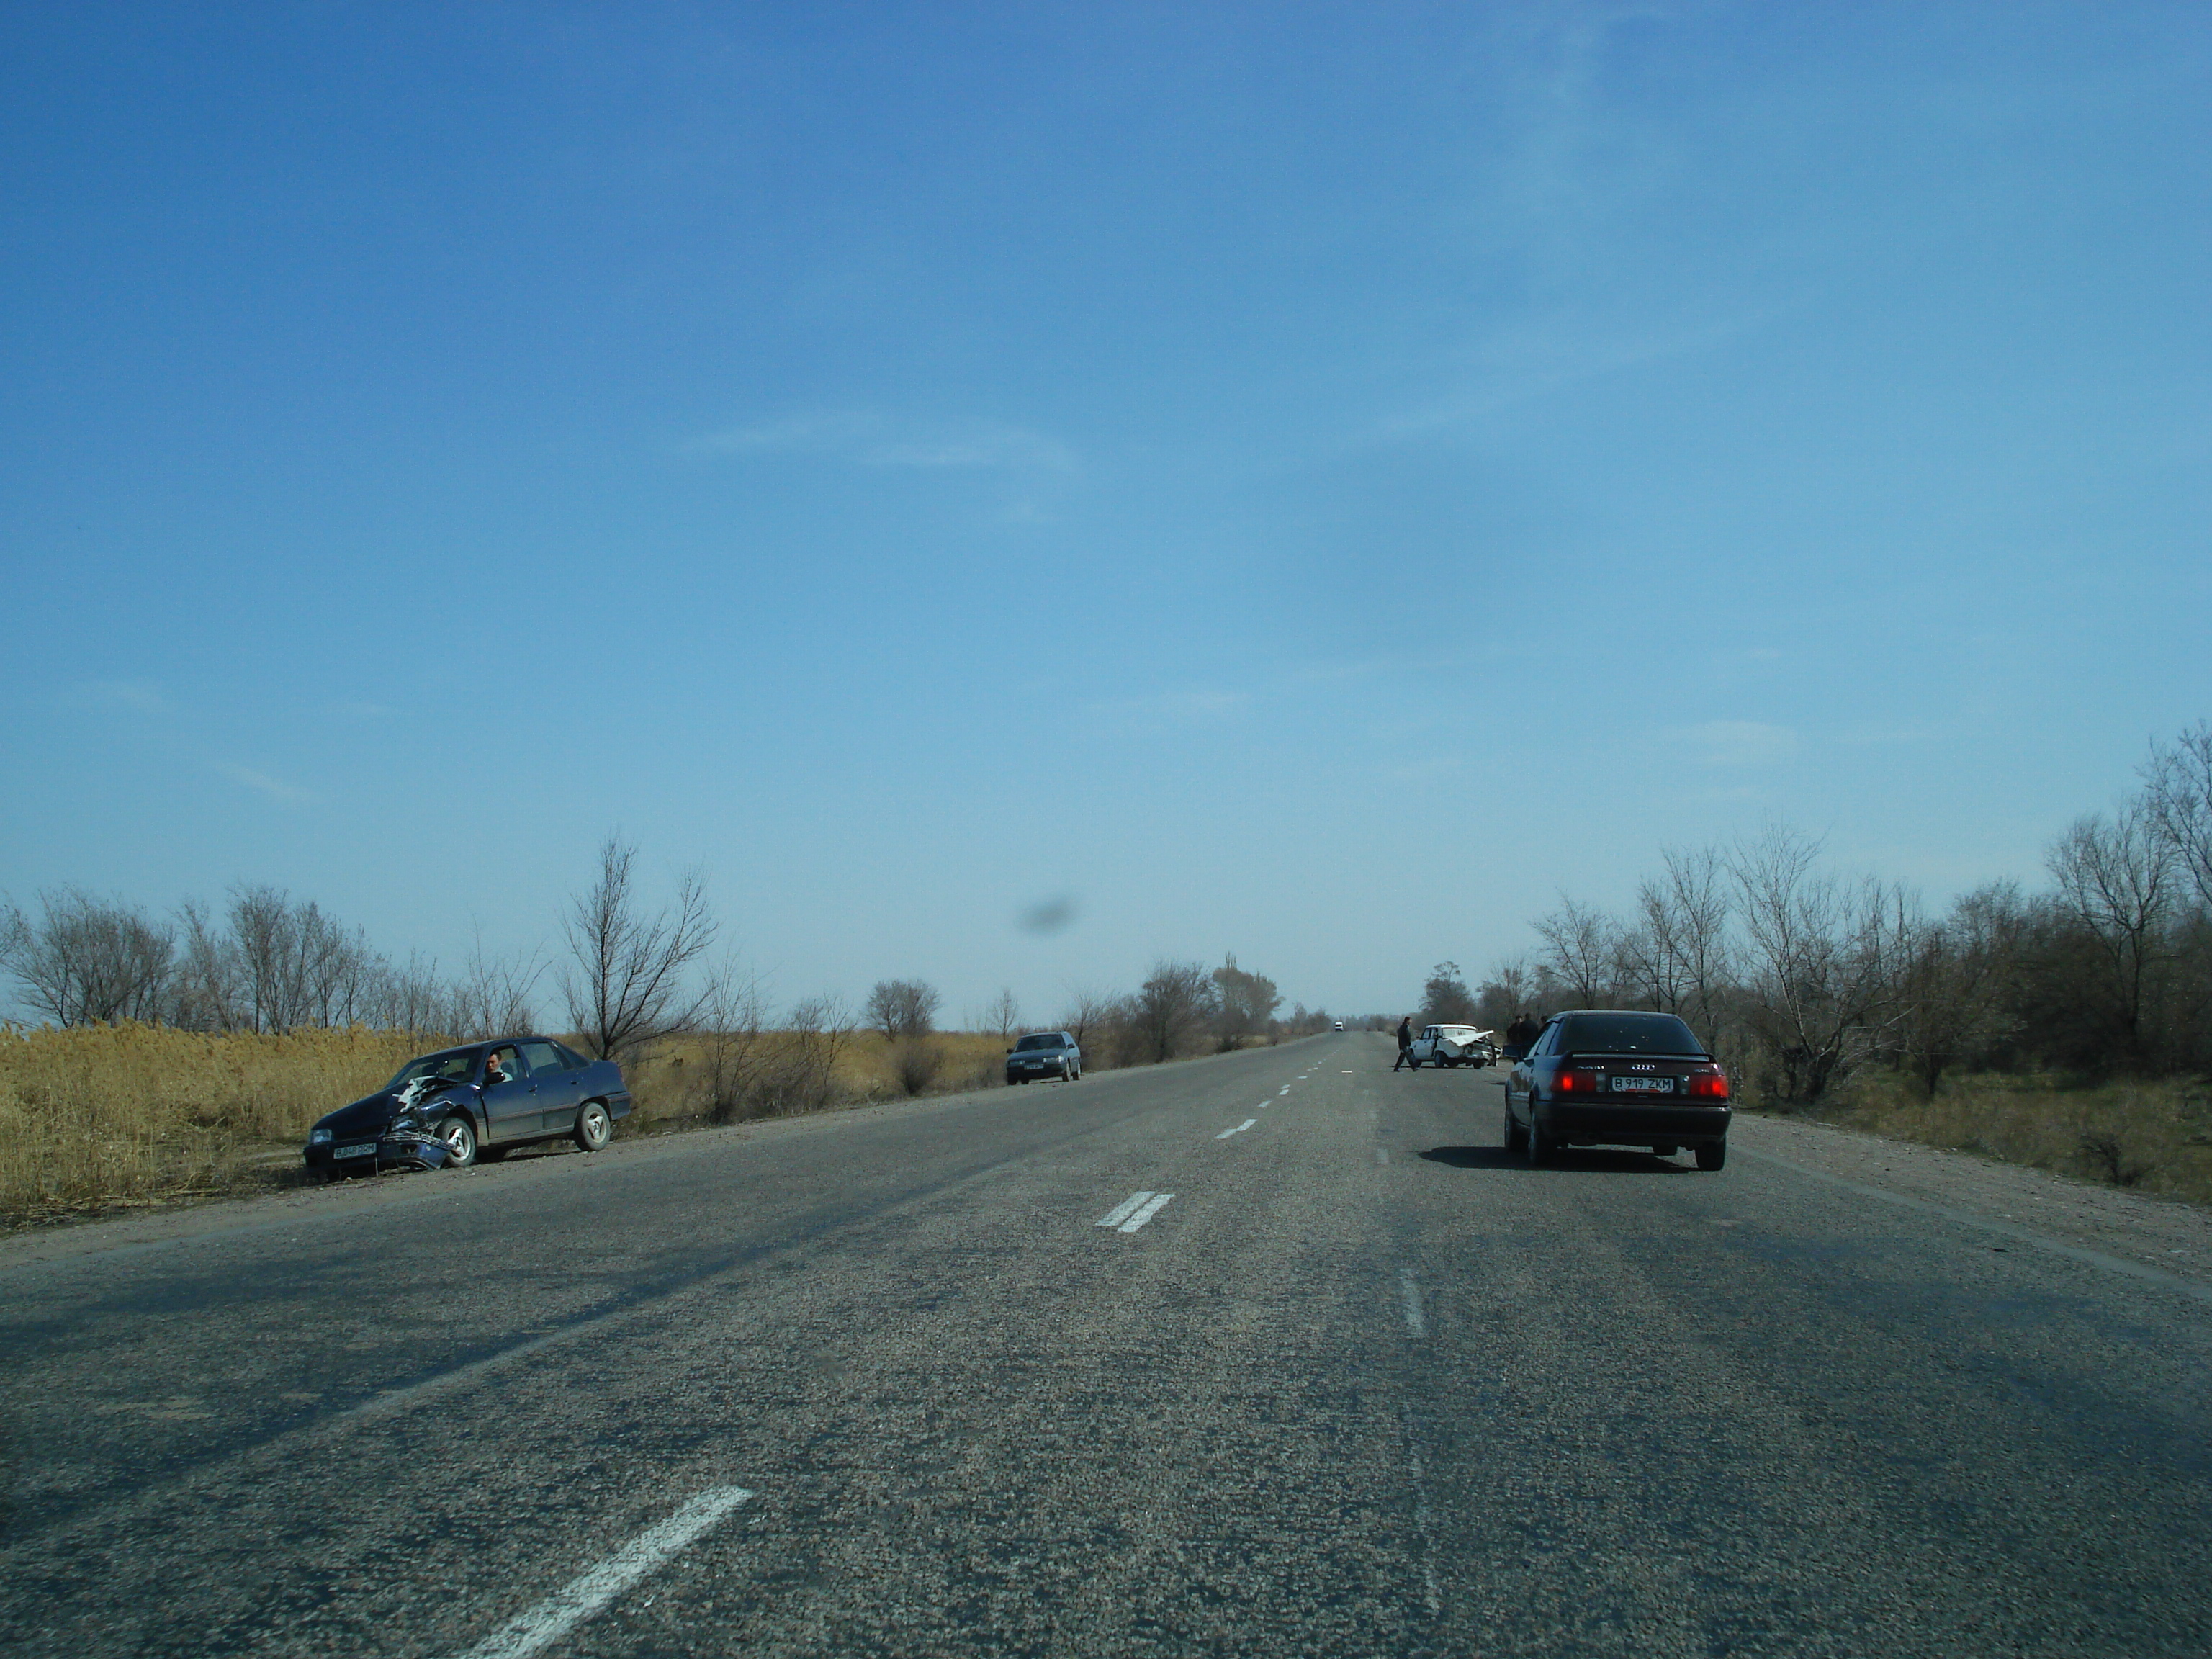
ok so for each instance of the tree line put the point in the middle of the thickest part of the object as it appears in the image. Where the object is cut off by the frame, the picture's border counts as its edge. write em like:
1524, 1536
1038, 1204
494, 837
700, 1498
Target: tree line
1181, 1008
1799, 974
626, 975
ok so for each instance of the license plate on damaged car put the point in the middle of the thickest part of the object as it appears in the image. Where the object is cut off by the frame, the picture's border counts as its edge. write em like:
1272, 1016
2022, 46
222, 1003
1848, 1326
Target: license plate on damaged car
366, 1149
1644, 1085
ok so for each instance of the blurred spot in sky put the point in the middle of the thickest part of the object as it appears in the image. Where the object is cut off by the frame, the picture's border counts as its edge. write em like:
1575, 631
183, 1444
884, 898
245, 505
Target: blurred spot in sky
1050, 915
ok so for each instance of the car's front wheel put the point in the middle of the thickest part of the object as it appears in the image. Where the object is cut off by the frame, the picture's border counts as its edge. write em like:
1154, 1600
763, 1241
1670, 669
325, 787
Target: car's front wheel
460, 1138
594, 1127
1712, 1155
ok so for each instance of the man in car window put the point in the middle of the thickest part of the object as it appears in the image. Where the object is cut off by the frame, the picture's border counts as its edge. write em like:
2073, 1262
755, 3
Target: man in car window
1404, 1042
495, 1069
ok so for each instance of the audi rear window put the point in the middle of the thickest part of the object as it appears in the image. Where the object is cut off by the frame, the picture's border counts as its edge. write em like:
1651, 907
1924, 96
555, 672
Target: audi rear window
1626, 1034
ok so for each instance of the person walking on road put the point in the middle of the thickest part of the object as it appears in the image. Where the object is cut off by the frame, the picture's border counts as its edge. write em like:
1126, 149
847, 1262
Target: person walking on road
1405, 1041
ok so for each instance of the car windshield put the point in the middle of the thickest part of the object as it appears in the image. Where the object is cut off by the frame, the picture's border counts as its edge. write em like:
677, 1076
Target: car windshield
1043, 1040
450, 1065
1626, 1034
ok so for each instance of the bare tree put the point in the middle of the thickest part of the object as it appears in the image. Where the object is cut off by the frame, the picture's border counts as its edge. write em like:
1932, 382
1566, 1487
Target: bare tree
86, 961
1825, 956
626, 984
414, 998
1954, 981
799, 1073
2115, 878
1580, 950
207, 993
733, 1054
1445, 999
1003, 1013
1175, 1004
1088, 1009
1510, 989
494, 996
2179, 792
903, 1008
1245, 1001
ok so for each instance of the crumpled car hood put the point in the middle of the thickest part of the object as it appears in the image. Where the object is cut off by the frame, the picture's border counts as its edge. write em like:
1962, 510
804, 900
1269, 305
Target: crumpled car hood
372, 1112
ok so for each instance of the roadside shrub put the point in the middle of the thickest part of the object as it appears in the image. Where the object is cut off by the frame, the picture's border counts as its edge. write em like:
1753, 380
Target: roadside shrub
916, 1063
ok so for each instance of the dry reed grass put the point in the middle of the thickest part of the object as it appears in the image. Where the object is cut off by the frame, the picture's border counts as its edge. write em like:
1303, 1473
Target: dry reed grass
96, 1118
670, 1084
92, 1117
2154, 1137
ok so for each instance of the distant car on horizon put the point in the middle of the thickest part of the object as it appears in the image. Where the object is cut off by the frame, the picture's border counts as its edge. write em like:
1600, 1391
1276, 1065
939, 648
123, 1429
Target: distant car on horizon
1045, 1054
482, 1100
1340, 1025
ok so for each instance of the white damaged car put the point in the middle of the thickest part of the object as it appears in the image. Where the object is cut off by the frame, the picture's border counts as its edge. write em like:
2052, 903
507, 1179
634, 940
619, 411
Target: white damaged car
1454, 1045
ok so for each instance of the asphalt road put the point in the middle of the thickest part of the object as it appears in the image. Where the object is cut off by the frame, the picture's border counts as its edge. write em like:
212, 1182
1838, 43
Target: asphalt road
881, 1383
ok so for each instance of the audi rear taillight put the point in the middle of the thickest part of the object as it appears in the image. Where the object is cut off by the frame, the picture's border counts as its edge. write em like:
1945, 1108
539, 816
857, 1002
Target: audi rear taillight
1577, 1080
1706, 1082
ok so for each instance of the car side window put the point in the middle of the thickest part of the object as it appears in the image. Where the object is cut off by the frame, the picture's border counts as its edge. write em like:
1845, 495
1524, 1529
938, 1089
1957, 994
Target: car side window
504, 1059
569, 1057
545, 1058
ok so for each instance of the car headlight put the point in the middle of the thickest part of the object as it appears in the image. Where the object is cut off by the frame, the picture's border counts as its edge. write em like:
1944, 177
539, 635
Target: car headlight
319, 1137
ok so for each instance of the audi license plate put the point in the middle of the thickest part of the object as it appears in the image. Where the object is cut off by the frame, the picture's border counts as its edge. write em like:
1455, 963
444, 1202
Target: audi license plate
1644, 1085
369, 1150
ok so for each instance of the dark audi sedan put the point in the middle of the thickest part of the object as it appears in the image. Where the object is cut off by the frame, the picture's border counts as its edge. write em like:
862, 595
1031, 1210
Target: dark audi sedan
483, 1100
1596, 1078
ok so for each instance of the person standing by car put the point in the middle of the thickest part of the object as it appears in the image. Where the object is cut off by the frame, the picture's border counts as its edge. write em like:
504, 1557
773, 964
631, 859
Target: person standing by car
1405, 1041
1519, 1035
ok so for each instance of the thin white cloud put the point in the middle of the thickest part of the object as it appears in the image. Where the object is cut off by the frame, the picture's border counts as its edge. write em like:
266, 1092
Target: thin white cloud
1194, 708
867, 438
1736, 743
275, 788
140, 696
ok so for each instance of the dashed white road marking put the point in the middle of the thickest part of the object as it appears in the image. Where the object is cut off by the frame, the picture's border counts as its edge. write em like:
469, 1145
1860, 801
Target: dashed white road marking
1415, 1321
1280, 1093
582, 1596
1347, 1073
1381, 1155
1238, 1130
1122, 1211
1154, 1202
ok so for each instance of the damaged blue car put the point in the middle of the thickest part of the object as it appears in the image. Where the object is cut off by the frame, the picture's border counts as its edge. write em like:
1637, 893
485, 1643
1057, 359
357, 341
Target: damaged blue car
480, 1101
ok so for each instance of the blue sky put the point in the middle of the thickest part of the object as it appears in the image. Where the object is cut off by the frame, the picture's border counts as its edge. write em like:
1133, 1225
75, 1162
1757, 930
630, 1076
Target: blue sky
1312, 482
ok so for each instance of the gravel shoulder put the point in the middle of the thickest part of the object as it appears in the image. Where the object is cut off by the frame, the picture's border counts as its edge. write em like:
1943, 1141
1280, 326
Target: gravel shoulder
2165, 1234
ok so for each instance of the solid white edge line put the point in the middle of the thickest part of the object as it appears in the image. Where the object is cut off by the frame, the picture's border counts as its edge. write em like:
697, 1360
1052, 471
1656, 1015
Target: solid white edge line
1238, 1130
582, 1596
1411, 1293
1158, 1201
1122, 1211
2081, 1253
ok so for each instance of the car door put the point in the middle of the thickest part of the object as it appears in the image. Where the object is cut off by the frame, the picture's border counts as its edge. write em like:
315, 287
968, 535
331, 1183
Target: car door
511, 1108
558, 1087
